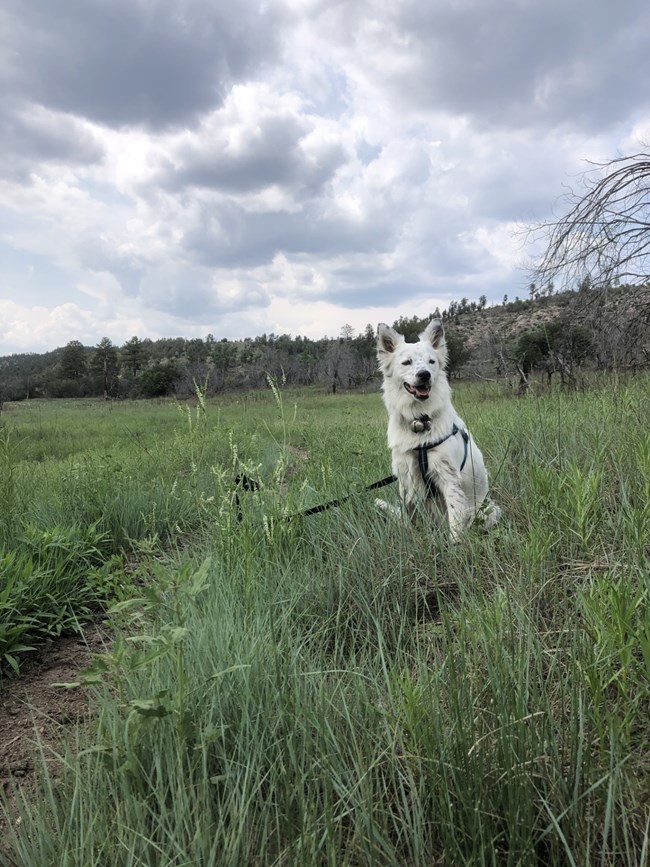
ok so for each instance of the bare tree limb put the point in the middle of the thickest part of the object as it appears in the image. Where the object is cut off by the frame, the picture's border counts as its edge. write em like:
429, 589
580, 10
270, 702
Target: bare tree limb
604, 237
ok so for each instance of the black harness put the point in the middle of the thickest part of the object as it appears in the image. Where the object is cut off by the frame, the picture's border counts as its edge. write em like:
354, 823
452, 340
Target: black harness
423, 457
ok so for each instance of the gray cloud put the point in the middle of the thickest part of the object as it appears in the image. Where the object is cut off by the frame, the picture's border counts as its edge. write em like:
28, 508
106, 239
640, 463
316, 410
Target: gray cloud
99, 254
33, 136
194, 294
233, 237
270, 155
231, 232
135, 62
513, 62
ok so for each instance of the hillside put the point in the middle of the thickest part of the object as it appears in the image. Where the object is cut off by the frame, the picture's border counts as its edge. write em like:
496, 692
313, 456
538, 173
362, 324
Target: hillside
512, 319
613, 330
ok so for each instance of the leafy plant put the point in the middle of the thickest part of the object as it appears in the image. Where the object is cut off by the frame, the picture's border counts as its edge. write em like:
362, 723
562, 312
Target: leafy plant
49, 585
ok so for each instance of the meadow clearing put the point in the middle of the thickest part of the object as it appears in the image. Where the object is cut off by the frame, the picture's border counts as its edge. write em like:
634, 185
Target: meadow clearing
341, 689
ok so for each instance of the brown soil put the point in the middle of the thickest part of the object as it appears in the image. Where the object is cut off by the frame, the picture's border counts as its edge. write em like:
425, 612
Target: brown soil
33, 710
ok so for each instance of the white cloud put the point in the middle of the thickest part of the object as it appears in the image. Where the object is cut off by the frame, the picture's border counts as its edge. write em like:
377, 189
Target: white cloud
24, 328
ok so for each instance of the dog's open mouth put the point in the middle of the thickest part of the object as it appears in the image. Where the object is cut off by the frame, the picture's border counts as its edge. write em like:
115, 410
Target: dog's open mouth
421, 392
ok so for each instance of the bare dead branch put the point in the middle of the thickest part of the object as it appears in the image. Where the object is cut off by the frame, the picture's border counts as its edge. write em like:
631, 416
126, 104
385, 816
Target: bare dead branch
604, 236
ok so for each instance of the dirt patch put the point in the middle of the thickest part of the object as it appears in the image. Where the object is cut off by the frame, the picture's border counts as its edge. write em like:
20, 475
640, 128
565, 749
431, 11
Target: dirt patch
299, 452
32, 709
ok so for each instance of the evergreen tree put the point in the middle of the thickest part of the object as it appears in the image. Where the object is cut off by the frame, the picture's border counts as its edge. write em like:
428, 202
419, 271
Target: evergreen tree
73, 361
223, 356
134, 355
105, 366
195, 351
458, 352
411, 328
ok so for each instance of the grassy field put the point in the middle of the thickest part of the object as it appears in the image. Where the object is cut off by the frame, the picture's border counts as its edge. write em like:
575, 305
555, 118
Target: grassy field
340, 689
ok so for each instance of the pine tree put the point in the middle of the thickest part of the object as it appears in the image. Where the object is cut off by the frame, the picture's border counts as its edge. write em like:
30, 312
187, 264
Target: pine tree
73, 361
105, 366
134, 355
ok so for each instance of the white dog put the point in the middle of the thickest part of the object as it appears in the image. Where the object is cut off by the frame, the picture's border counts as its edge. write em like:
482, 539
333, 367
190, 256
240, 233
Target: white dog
434, 457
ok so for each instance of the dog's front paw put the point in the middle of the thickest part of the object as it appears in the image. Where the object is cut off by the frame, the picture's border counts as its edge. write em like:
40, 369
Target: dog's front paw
421, 424
488, 514
389, 508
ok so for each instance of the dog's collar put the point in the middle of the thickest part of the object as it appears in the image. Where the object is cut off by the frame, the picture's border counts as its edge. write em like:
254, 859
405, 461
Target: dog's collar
423, 456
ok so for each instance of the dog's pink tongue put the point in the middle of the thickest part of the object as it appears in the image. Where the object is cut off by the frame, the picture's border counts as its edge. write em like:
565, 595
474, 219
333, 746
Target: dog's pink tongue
421, 392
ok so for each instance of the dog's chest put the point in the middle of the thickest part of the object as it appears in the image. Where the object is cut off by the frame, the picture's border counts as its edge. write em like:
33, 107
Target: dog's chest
418, 456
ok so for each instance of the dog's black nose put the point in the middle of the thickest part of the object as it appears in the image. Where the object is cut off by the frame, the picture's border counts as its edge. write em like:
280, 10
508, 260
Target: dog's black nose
424, 376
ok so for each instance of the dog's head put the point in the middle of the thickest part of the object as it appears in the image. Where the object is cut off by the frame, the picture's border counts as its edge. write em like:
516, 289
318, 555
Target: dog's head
412, 369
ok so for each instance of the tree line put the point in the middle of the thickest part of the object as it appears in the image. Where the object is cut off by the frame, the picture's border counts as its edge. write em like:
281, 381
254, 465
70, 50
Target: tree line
571, 329
155, 368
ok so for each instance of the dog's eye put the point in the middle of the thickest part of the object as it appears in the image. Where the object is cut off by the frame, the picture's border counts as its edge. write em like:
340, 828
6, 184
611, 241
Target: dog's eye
405, 363
432, 361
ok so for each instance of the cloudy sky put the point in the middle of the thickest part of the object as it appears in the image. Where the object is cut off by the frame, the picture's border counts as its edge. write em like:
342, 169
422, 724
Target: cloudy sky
181, 167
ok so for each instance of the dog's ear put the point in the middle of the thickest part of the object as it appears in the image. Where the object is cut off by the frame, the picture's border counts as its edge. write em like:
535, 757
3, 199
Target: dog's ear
387, 340
434, 333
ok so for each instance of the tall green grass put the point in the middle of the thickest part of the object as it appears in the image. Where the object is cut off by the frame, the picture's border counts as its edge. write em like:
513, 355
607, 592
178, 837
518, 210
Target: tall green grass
345, 689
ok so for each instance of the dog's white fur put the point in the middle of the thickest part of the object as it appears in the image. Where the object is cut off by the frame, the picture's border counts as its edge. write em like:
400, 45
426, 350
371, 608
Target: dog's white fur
418, 399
